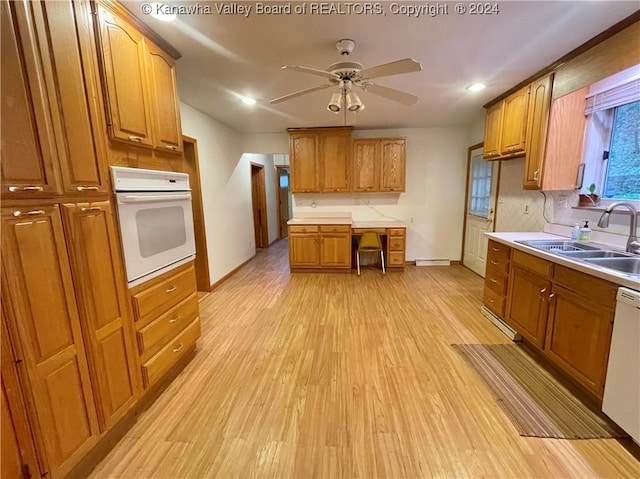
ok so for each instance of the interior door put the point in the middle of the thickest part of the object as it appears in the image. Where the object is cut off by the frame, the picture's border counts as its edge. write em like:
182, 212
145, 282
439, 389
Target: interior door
283, 200
480, 209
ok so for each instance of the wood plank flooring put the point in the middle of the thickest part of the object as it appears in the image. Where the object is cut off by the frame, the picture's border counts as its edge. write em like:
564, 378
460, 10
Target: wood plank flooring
335, 375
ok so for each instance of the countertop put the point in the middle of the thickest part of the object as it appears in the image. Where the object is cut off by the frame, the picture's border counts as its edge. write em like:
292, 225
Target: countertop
342, 220
510, 239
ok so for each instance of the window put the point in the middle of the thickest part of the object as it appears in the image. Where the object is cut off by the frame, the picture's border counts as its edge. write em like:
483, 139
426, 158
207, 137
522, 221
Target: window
481, 173
612, 142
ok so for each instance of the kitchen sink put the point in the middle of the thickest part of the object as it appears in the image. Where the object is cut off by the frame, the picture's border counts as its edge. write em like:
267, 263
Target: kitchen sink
593, 254
624, 265
557, 246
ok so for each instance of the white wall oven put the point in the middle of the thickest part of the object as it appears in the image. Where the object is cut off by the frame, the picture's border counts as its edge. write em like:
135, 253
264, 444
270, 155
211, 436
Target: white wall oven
156, 222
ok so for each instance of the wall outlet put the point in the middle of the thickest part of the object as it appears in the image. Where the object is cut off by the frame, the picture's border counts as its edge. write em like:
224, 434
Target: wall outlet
500, 200
562, 202
526, 209
411, 220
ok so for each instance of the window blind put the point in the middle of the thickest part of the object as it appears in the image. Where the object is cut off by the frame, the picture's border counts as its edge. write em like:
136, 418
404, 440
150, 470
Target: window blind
619, 95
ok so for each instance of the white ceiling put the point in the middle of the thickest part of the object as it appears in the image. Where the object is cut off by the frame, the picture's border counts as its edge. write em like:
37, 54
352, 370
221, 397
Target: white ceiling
226, 56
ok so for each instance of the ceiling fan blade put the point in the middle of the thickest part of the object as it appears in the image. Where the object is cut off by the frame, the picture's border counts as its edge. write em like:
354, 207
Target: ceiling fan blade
408, 65
390, 93
312, 71
298, 93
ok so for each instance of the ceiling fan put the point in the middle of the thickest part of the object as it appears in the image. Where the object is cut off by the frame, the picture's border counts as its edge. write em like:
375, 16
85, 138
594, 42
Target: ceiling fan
346, 74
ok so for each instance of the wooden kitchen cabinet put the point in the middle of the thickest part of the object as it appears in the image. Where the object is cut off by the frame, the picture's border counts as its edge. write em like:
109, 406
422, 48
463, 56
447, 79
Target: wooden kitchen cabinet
304, 251
496, 278
41, 309
164, 99
514, 123
334, 165
29, 156
392, 164
303, 159
93, 246
320, 246
125, 77
538, 119
335, 246
365, 168
493, 131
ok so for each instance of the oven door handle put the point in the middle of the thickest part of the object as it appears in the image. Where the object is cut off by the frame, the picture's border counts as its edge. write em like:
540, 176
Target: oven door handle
153, 198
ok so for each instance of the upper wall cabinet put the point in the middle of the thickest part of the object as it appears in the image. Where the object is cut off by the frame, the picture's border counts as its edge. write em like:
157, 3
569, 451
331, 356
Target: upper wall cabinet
379, 165
506, 127
52, 138
140, 80
334, 164
304, 162
537, 122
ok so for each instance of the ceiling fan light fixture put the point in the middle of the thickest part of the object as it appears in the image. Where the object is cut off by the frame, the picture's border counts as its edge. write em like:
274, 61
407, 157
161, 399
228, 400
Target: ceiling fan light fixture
335, 104
354, 104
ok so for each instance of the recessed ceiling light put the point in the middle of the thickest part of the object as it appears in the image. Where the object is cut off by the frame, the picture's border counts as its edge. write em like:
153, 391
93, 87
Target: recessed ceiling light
476, 87
159, 11
247, 101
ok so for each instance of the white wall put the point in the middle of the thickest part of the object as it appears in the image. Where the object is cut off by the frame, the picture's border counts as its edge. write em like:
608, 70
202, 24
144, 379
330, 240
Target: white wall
433, 204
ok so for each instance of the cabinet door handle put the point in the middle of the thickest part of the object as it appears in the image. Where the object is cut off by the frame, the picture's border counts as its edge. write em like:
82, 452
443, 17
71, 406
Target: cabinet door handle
13, 189
170, 147
87, 188
542, 291
178, 348
551, 296
28, 213
90, 208
493, 280
494, 262
497, 250
176, 319
172, 289
535, 175
492, 301
135, 138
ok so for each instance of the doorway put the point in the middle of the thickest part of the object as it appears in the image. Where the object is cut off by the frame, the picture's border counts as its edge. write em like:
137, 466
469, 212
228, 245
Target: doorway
259, 201
480, 208
283, 199
192, 168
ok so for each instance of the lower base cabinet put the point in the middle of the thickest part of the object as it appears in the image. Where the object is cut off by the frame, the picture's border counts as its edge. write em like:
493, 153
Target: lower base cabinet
320, 247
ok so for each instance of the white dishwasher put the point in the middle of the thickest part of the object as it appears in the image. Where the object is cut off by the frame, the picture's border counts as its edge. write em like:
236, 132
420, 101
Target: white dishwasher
621, 401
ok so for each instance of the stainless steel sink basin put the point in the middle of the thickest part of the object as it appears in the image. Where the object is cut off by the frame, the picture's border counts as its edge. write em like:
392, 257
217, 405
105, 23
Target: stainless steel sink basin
624, 265
556, 246
593, 254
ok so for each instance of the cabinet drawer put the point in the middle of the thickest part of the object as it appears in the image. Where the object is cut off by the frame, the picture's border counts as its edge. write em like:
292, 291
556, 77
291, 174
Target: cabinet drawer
396, 243
157, 299
498, 265
154, 369
303, 229
396, 231
168, 325
530, 262
594, 288
494, 301
359, 231
396, 258
335, 228
498, 250
496, 281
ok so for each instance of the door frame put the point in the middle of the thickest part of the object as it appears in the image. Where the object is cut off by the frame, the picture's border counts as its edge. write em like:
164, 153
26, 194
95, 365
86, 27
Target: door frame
278, 168
192, 167
466, 196
262, 199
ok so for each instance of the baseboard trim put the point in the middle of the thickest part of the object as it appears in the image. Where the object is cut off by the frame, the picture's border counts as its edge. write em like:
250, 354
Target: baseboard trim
456, 262
229, 274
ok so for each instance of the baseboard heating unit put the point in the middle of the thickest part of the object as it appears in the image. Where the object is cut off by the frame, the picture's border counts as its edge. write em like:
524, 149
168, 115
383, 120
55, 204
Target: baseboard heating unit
433, 262
511, 333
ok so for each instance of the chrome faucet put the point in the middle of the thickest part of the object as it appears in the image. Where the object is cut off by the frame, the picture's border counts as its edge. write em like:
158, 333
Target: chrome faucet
633, 245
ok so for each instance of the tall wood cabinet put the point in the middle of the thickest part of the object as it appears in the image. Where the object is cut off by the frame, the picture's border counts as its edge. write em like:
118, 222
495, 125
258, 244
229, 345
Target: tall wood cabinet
537, 123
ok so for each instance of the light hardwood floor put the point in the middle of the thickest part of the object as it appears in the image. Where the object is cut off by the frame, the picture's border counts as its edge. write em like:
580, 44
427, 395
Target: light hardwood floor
335, 375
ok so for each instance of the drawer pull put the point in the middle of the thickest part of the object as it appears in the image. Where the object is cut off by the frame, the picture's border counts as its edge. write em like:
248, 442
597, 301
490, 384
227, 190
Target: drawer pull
494, 262
492, 301
493, 280
92, 208
135, 138
28, 213
171, 147
176, 319
172, 289
178, 348
497, 250
13, 189
87, 188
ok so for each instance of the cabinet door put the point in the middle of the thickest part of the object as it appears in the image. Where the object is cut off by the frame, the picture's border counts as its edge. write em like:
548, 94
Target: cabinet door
102, 299
335, 250
65, 32
528, 305
493, 131
304, 163
365, 171
304, 250
28, 145
164, 99
565, 141
392, 165
537, 131
514, 123
123, 59
334, 153
42, 309
579, 336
